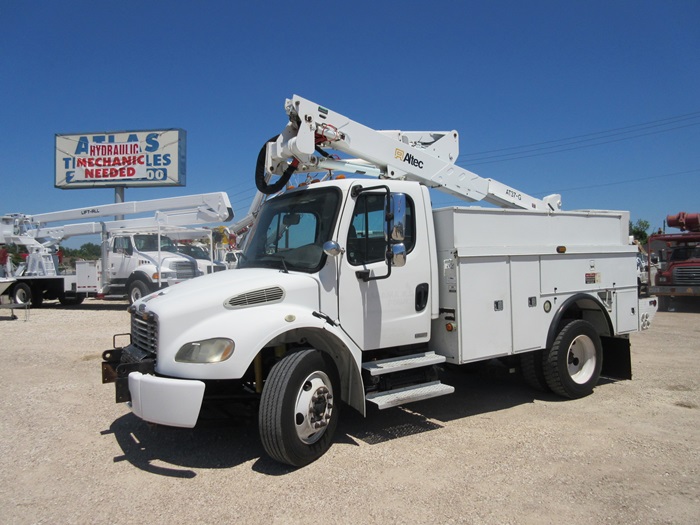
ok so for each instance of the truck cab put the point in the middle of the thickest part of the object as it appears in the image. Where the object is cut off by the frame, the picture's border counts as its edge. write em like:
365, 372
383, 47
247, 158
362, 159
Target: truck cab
678, 258
140, 263
201, 256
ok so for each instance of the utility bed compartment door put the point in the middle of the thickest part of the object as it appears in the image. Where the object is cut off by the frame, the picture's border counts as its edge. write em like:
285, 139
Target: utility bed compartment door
530, 323
484, 307
627, 311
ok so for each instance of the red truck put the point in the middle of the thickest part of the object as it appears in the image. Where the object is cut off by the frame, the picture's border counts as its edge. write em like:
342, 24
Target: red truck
675, 258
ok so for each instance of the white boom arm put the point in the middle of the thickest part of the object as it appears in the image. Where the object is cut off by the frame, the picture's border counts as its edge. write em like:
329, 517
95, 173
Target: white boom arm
173, 211
427, 157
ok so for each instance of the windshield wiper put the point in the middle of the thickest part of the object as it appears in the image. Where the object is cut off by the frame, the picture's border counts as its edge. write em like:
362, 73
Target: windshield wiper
284, 263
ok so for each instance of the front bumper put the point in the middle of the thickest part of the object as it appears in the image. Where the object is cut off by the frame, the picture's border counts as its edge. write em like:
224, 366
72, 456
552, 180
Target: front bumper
680, 291
166, 401
162, 400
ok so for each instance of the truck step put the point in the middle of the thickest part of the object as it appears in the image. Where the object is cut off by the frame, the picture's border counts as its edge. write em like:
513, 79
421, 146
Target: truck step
409, 394
395, 364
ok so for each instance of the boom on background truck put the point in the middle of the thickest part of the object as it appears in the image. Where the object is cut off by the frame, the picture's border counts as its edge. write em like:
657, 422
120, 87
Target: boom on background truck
353, 291
137, 255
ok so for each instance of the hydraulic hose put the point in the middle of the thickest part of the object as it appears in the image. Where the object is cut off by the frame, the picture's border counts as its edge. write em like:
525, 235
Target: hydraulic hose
262, 185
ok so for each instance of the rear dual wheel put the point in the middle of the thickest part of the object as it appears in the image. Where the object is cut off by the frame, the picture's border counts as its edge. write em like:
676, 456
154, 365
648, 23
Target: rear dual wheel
22, 293
573, 363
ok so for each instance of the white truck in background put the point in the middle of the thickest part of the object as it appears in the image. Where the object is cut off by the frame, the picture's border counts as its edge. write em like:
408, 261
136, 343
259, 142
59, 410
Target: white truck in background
137, 255
352, 291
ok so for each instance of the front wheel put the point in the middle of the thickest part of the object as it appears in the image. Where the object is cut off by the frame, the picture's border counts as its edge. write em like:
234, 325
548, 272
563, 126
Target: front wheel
137, 290
572, 365
298, 410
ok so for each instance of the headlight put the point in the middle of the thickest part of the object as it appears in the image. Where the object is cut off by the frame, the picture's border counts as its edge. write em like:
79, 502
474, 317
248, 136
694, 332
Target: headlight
207, 351
164, 275
663, 279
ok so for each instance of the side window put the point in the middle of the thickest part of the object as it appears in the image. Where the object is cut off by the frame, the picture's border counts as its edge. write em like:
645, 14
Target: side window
366, 243
123, 245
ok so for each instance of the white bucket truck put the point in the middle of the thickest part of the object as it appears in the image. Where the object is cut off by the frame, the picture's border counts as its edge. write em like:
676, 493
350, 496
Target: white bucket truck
351, 291
137, 255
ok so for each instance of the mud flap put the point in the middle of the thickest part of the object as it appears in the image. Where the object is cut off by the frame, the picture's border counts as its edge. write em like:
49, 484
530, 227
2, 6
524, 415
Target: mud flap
617, 358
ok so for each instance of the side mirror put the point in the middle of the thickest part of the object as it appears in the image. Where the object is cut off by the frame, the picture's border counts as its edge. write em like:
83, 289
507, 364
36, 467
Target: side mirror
396, 217
332, 248
398, 255
291, 219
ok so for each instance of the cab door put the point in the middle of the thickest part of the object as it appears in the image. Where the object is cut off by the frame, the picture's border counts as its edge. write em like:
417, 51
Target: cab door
382, 311
120, 258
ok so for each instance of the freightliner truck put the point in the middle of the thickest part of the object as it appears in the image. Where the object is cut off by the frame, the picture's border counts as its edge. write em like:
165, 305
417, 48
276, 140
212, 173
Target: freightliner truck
355, 291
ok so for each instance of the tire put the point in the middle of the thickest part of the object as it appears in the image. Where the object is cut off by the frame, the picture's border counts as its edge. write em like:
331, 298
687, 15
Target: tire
21, 293
37, 297
532, 370
298, 413
137, 290
572, 365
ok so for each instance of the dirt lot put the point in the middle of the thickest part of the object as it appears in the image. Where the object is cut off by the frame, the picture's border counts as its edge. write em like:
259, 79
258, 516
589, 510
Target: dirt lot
494, 452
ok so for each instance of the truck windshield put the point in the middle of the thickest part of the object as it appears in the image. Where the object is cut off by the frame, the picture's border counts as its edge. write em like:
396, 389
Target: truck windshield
149, 243
684, 253
194, 251
291, 229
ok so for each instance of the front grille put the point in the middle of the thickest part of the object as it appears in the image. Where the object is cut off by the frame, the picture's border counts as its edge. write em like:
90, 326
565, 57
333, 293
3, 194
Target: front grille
184, 269
144, 333
686, 276
256, 297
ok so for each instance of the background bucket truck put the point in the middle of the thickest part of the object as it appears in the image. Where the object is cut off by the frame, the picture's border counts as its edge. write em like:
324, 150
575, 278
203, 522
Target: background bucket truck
137, 255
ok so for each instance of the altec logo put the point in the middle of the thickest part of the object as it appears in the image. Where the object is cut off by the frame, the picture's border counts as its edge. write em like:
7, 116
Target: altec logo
408, 158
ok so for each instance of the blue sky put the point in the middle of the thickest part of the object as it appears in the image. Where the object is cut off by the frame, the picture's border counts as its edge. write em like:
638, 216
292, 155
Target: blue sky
598, 99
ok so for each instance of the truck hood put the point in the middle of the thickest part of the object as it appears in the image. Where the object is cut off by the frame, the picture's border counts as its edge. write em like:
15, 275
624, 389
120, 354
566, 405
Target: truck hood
230, 290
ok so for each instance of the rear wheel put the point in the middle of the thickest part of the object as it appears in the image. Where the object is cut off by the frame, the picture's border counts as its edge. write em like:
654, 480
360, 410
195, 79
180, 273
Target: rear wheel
572, 365
298, 410
21, 293
533, 371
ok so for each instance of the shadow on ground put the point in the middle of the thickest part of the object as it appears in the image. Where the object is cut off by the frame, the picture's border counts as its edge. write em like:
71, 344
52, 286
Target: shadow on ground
112, 306
222, 440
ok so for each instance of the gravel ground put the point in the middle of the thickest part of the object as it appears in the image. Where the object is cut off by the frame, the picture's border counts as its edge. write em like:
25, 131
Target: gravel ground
495, 452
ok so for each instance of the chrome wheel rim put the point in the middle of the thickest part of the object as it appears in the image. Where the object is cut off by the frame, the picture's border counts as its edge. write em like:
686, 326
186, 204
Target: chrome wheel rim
314, 407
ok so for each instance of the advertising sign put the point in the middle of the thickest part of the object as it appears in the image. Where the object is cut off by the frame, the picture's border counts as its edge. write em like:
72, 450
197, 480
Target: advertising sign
121, 159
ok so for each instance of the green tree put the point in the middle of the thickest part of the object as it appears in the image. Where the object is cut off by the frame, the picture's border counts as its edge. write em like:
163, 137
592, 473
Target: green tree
639, 230
90, 251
